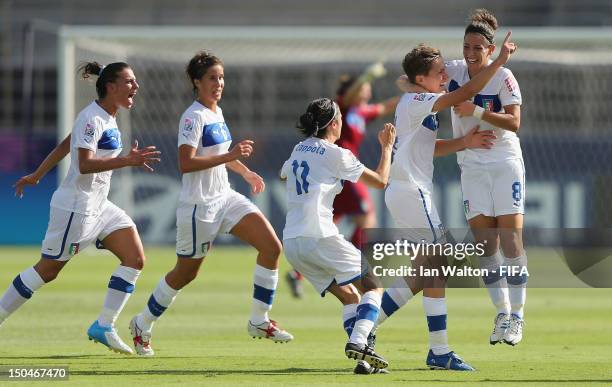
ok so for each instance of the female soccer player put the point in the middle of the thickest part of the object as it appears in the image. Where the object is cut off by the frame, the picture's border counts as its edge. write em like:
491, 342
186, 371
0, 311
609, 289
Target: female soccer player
493, 181
353, 97
209, 206
409, 195
80, 212
314, 172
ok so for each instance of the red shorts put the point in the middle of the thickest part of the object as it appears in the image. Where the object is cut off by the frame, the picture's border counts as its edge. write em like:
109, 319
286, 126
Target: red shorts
353, 200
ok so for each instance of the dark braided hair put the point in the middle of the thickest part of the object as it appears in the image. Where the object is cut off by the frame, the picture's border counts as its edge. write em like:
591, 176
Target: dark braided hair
484, 23
106, 74
320, 113
199, 64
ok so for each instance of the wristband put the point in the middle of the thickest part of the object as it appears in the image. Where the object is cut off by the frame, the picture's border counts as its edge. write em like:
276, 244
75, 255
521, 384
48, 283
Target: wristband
478, 112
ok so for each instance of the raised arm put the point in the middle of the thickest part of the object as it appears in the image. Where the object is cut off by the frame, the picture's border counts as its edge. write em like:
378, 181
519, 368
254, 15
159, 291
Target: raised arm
56, 155
375, 70
380, 177
477, 83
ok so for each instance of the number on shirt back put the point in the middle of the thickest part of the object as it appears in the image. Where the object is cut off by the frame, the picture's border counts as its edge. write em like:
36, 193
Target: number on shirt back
303, 186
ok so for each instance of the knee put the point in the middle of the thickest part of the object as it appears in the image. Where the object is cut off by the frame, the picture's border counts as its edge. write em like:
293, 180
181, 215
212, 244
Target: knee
136, 263
273, 248
47, 274
512, 248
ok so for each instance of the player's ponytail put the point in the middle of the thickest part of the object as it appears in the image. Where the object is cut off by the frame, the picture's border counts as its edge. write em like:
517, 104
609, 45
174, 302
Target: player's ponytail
108, 73
482, 22
319, 114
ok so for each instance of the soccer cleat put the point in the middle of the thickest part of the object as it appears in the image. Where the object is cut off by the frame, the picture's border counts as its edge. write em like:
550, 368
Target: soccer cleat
363, 352
499, 329
109, 337
514, 333
269, 330
448, 361
142, 339
294, 280
363, 368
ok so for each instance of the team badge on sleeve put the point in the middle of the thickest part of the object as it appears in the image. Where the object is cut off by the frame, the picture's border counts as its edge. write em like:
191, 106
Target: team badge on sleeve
187, 127
90, 130
510, 84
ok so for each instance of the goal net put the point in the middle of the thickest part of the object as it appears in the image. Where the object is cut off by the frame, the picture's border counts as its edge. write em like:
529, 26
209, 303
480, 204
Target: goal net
565, 77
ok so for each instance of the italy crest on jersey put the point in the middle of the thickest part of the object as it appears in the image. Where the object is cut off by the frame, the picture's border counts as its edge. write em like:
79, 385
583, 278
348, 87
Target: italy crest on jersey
487, 104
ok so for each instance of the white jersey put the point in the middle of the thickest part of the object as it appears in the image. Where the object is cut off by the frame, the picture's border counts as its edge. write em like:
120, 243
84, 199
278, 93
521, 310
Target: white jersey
207, 132
314, 174
417, 128
96, 130
502, 90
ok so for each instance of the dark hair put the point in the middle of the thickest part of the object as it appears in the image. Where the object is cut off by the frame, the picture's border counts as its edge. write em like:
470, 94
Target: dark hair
199, 64
319, 114
106, 74
344, 84
482, 22
419, 61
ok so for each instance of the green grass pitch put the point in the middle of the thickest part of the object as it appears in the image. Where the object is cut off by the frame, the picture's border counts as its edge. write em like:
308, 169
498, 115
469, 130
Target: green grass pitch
202, 339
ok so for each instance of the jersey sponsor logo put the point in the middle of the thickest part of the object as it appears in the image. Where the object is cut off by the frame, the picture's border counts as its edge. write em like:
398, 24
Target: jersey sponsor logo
419, 97
213, 134
510, 84
110, 139
90, 130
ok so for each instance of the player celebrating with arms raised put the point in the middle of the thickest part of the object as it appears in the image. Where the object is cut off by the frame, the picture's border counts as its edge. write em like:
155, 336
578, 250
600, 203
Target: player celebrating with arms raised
409, 195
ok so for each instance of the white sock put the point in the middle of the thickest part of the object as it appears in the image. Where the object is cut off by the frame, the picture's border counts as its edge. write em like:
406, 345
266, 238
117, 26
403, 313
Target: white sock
349, 313
496, 284
19, 291
393, 299
435, 310
264, 287
367, 314
120, 288
517, 284
161, 298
